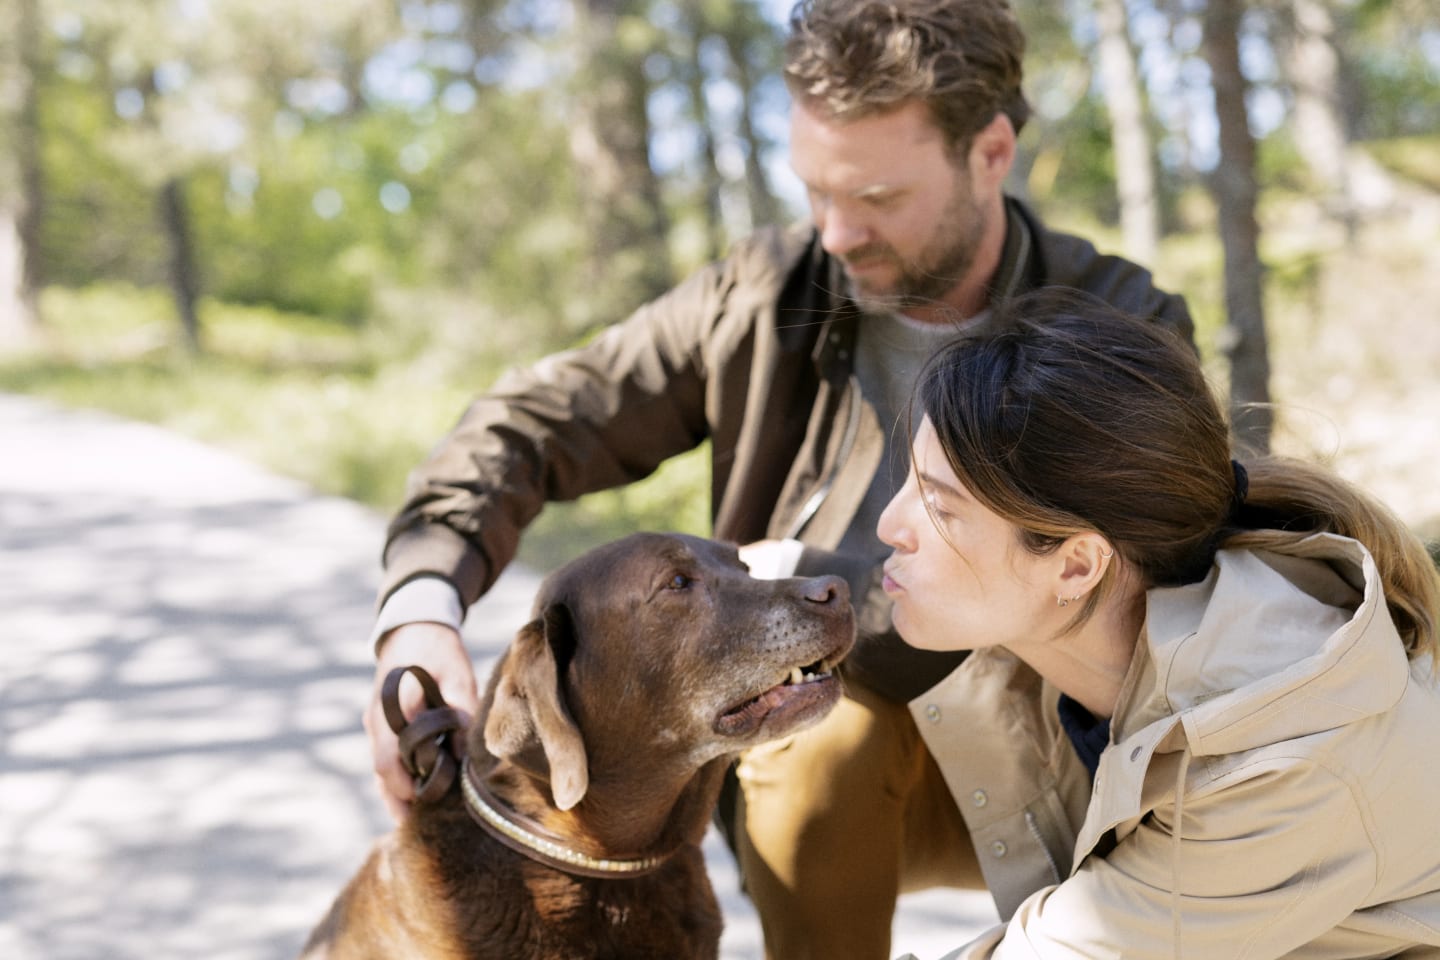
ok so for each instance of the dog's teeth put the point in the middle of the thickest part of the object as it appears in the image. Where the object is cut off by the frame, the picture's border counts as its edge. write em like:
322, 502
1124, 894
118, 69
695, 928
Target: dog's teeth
797, 676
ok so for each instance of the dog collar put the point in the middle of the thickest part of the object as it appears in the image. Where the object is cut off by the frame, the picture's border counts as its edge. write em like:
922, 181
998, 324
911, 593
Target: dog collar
482, 806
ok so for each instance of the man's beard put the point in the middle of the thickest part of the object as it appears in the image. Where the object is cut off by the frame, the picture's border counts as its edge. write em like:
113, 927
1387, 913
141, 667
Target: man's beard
943, 262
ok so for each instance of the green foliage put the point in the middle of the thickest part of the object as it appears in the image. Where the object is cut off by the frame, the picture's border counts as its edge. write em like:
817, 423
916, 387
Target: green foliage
100, 220
348, 413
1085, 174
1415, 158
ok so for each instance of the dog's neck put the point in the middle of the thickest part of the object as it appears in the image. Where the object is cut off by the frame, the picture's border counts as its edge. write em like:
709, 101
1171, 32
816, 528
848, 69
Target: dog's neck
619, 819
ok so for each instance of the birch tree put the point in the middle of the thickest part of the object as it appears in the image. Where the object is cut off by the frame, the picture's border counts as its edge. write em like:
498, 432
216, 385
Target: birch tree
20, 185
610, 143
1129, 130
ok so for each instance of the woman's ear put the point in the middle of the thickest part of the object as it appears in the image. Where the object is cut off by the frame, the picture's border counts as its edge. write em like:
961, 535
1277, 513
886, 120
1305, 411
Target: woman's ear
1084, 558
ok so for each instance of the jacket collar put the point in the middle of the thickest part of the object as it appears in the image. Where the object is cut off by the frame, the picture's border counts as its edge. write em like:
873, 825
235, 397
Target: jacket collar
1249, 655
1271, 646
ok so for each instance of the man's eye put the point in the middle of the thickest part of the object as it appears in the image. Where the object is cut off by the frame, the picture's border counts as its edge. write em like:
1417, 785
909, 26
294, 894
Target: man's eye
678, 582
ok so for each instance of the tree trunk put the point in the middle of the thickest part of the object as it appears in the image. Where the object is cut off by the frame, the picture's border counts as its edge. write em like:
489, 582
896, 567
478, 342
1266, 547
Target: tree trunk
1234, 187
764, 208
1129, 131
711, 182
1312, 63
184, 282
20, 185
629, 261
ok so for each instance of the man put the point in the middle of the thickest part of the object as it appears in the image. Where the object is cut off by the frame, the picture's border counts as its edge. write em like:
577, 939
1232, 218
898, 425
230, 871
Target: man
795, 356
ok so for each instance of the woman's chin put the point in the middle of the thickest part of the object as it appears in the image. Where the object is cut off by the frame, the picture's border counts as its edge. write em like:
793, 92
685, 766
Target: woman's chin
918, 638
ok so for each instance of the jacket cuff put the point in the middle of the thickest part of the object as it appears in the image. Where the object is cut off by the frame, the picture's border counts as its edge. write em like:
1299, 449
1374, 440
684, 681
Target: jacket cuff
425, 599
434, 550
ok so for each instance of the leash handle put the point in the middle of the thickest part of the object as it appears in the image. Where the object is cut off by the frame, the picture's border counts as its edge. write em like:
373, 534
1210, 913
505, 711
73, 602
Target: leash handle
426, 746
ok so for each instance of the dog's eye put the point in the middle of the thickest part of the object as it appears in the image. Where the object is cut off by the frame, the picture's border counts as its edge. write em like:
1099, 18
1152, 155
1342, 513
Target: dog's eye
678, 582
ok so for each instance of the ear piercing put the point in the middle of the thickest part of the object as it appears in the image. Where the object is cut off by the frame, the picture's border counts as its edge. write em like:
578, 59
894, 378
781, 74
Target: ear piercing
1062, 602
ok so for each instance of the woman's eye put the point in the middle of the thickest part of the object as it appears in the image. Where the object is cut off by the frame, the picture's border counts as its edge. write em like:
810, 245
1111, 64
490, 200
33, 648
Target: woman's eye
678, 582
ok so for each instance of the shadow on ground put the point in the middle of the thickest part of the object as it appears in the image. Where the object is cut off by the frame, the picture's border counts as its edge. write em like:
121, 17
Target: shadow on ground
182, 768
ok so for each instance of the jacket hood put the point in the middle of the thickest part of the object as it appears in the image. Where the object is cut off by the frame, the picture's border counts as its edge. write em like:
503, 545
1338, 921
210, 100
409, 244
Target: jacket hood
1271, 646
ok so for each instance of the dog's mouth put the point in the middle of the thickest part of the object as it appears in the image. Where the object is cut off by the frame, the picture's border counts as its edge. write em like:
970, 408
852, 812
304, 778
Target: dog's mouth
805, 693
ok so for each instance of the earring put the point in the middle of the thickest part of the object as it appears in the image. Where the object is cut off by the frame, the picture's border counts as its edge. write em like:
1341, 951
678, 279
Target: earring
1061, 601
1106, 555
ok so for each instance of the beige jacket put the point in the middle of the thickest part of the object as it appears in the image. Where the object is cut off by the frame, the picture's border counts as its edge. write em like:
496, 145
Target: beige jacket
1277, 695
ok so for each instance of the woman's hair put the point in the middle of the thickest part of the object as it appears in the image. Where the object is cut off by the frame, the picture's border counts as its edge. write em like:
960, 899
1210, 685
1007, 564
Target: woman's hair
962, 58
1063, 415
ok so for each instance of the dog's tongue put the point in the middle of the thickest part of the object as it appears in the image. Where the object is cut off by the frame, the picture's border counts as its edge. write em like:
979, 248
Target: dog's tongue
747, 717
763, 704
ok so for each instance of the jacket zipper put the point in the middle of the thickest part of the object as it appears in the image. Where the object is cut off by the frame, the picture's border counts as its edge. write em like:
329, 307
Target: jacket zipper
1034, 826
812, 505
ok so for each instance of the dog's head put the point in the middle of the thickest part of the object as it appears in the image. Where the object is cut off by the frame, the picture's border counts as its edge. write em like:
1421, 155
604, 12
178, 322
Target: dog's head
660, 650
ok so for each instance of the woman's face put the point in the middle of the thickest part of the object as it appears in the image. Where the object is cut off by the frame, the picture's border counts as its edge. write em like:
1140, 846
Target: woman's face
959, 577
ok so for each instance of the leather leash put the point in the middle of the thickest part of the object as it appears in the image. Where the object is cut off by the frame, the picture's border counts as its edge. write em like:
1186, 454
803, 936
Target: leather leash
425, 742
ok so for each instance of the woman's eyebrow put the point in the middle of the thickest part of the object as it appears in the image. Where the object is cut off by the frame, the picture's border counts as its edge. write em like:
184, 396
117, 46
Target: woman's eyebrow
942, 486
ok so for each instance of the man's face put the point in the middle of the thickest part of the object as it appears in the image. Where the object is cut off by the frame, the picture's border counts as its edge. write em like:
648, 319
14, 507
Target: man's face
890, 202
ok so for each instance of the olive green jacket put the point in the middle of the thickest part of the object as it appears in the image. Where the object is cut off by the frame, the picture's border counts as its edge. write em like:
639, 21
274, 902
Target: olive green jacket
754, 353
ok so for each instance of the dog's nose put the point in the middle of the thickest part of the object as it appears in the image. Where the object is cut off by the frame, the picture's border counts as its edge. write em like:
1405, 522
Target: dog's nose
826, 590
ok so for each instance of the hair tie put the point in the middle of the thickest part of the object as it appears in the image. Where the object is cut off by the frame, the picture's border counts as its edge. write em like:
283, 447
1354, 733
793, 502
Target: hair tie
1242, 490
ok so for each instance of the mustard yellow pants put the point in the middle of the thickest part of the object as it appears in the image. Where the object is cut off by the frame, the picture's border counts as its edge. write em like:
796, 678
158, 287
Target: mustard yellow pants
834, 823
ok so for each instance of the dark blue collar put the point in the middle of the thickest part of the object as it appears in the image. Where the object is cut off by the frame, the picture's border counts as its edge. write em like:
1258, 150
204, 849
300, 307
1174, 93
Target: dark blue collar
1089, 735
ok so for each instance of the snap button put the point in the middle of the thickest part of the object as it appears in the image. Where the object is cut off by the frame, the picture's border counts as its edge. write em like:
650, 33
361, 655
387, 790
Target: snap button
932, 713
1135, 754
979, 799
998, 848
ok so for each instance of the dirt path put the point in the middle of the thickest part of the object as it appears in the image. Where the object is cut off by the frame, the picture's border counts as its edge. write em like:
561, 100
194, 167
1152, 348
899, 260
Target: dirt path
182, 769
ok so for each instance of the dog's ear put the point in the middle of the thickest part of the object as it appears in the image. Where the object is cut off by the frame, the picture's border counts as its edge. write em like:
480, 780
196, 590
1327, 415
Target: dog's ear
529, 707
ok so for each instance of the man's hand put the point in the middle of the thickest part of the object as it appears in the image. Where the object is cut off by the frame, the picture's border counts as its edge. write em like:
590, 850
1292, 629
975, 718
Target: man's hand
439, 649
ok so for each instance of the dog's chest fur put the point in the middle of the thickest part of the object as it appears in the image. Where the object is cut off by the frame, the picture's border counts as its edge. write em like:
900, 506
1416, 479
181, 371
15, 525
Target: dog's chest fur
508, 907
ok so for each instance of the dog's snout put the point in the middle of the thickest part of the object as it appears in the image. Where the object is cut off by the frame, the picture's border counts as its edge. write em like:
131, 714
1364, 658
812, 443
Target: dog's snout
829, 591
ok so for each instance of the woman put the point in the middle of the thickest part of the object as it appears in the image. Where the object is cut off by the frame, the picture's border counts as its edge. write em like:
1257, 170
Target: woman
1200, 715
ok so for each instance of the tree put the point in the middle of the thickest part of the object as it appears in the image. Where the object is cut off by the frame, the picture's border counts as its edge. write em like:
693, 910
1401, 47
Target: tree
176, 95
21, 197
1129, 127
610, 143
1312, 65
1233, 184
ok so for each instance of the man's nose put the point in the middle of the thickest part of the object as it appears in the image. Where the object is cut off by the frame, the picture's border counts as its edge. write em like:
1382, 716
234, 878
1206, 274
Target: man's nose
841, 232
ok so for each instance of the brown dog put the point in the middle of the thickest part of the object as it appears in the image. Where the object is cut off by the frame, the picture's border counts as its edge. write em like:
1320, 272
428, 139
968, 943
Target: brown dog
595, 761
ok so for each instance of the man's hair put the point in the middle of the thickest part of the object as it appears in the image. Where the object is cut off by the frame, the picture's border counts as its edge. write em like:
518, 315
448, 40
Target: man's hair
961, 58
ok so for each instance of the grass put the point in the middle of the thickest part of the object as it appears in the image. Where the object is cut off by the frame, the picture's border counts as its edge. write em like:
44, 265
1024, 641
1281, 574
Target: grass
348, 411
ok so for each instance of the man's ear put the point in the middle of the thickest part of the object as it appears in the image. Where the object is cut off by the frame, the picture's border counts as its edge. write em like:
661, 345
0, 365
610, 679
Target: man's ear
992, 151
529, 708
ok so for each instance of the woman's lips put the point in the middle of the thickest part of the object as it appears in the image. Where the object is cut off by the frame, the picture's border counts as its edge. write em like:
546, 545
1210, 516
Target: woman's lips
889, 584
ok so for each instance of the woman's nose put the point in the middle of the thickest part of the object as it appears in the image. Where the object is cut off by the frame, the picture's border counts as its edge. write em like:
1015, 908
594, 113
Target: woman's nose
890, 528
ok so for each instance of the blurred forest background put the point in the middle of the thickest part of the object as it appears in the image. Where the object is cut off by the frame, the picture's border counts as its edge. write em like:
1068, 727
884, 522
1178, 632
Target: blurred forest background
313, 231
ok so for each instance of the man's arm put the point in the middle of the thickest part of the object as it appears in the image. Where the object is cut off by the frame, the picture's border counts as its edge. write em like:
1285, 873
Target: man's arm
599, 416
